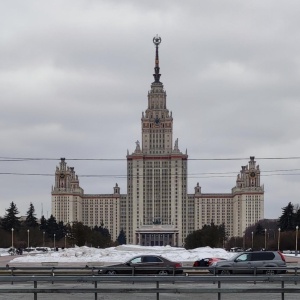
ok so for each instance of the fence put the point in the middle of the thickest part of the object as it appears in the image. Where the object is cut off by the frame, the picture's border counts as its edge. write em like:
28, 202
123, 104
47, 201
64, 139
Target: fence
156, 289
132, 270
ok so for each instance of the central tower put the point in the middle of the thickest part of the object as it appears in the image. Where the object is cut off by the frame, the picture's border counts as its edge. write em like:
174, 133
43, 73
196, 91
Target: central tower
157, 122
157, 175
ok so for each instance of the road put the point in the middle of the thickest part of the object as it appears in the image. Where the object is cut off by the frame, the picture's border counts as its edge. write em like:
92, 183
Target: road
292, 261
125, 296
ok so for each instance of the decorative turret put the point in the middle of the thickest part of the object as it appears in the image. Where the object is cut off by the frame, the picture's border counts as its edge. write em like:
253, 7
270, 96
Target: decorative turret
249, 176
116, 189
197, 189
66, 179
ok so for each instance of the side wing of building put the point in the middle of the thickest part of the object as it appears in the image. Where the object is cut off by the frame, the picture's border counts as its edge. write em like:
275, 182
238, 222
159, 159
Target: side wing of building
237, 210
70, 204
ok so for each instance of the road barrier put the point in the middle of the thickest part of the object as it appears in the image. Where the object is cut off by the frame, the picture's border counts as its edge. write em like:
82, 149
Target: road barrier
278, 284
93, 270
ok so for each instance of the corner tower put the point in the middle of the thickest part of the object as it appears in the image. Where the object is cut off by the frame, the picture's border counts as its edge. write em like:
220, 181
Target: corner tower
157, 175
66, 195
248, 198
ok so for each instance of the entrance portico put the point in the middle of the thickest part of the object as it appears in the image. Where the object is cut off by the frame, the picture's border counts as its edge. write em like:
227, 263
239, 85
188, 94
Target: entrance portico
157, 235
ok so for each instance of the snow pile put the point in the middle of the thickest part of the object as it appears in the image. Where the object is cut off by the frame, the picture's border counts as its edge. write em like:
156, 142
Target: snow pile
123, 253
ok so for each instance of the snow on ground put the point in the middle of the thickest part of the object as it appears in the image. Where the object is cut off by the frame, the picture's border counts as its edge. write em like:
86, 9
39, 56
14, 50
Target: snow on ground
4, 251
120, 254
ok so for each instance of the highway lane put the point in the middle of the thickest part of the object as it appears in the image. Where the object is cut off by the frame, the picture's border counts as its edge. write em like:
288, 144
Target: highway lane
140, 296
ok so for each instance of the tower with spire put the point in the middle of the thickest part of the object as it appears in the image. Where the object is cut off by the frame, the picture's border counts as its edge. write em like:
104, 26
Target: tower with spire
157, 174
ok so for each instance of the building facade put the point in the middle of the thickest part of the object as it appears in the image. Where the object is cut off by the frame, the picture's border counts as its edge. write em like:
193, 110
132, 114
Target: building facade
157, 209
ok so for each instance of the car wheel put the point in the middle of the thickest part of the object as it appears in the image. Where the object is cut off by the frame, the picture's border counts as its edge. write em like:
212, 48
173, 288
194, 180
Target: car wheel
111, 272
270, 272
163, 272
225, 272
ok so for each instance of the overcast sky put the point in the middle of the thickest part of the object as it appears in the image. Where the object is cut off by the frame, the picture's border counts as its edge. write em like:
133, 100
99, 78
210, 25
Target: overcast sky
74, 78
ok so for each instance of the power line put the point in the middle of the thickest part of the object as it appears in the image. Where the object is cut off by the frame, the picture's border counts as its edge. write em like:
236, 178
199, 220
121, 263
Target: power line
200, 175
190, 175
19, 159
25, 174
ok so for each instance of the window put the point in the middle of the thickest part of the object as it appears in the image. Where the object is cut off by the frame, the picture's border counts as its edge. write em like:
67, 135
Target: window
244, 257
136, 260
151, 259
263, 256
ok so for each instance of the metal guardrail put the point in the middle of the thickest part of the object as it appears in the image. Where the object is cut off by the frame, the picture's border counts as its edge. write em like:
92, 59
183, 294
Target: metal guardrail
157, 289
89, 270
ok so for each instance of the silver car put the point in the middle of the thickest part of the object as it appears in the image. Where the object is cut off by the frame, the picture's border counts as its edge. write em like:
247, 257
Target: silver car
251, 262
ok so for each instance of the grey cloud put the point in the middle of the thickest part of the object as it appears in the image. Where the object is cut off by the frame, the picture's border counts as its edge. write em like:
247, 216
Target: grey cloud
74, 78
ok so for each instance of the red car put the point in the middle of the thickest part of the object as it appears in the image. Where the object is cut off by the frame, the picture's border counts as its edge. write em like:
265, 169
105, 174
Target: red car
206, 262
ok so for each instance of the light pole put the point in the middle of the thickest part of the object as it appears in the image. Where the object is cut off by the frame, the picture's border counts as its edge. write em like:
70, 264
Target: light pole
43, 238
28, 239
12, 238
279, 229
65, 241
252, 240
54, 241
265, 238
296, 251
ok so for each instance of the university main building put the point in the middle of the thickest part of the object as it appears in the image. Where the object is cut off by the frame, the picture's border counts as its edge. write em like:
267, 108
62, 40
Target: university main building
157, 209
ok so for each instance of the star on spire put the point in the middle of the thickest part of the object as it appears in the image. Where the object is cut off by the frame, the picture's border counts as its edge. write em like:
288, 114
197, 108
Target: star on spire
156, 41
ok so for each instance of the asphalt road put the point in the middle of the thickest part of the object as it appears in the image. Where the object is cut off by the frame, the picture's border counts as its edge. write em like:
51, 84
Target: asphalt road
128, 296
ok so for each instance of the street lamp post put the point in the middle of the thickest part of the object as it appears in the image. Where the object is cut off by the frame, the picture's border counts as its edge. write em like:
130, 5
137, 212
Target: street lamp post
28, 239
43, 238
265, 238
252, 240
279, 229
54, 241
65, 241
296, 251
12, 238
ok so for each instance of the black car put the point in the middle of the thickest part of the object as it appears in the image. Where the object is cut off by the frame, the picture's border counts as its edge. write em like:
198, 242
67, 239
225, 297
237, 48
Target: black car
144, 264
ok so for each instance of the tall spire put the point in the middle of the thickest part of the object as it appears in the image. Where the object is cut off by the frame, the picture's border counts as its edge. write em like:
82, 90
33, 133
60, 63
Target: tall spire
156, 41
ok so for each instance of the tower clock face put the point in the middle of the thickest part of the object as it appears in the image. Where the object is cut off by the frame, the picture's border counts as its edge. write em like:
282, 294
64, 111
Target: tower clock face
252, 174
62, 175
157, 120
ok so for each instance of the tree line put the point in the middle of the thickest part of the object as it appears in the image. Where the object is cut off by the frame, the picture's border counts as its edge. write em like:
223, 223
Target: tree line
45, 232
271, 234
49, 233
